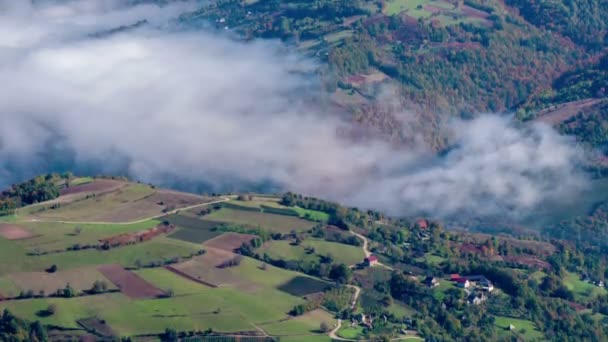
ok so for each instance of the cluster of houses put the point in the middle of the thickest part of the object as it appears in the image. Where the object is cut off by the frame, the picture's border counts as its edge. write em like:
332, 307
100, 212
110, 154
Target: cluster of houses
587, 279
477, 287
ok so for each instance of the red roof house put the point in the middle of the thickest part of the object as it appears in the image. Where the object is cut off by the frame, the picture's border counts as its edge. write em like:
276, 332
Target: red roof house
371, 260
422, 224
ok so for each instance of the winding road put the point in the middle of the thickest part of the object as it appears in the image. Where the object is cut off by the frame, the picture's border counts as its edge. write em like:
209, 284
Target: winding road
366, 250
225, 199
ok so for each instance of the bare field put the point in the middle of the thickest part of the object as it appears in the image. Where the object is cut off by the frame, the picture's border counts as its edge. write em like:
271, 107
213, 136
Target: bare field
79, 279
125, 203
562, 112
266, 221
204, 269
96, 186
229, 241
14, 232
130, 283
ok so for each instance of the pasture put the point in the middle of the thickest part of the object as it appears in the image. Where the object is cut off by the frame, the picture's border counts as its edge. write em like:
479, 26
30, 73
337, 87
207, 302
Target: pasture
273, 207
312, 249
80, 279
583, 291
16, 258
193, 229
523, 328
270, 222
127, 203
309, 323
53, 236
81, 180
352, 333
198, 308
229, 241
442, 12
130, 283
250, 276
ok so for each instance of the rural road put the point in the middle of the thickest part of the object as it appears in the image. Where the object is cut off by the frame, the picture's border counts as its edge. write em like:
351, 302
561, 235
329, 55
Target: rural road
225, 199
334, 335
366, 250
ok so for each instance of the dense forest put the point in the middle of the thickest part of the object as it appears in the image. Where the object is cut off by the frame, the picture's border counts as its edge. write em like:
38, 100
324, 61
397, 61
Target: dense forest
13, 329
39, 189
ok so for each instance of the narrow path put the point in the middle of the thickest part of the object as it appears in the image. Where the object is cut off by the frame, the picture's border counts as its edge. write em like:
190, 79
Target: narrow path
333, 334
355, 296
225, 199
366, 250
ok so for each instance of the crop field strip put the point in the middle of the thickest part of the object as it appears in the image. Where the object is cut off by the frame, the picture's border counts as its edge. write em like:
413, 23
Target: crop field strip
269, 222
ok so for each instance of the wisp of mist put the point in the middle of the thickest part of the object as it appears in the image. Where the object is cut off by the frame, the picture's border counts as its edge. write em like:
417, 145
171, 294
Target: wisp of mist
167, 104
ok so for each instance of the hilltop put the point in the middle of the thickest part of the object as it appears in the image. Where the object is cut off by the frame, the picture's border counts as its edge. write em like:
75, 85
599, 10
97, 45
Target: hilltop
107, 258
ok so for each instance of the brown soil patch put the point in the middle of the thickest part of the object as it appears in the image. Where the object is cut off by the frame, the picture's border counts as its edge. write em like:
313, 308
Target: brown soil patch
205, 269
80, 279
529, 261
96, 186
474, 13
162, 201
14, 232
532, 247
556, 115
96, 325
229, 241
132, 238
130, 283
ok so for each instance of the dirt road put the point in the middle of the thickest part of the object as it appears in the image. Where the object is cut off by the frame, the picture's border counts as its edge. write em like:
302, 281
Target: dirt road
366, 250
131, 222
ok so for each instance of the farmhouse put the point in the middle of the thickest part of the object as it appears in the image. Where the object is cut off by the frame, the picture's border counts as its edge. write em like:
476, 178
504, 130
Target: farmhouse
370, 261
422, 224
431, 282
463, 283
481, 282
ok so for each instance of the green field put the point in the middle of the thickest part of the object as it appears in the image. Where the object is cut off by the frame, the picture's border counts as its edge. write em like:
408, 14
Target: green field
393, 7
337, 36
81, 180
97, 208
270, 222
352, 333
59, 236
306, 338
273, 207
8, 288
16, 259
308, 323
583, 291
193, 306
444, 285
193, 229
341, 253
431, 259
530, 333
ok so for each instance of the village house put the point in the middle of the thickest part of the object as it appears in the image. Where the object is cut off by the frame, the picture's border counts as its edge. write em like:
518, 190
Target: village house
370, 261
463, 283
431, 282
422, 224
477, 298
481, 282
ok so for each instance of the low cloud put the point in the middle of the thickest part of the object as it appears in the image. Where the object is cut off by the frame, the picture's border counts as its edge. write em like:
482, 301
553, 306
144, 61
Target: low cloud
175, 106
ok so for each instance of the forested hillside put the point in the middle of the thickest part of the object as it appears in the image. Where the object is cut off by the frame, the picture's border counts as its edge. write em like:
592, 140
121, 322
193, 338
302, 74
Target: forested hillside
444, 57
582, 21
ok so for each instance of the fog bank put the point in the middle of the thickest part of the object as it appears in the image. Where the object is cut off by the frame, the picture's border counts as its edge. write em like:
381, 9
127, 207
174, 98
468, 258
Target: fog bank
169, 105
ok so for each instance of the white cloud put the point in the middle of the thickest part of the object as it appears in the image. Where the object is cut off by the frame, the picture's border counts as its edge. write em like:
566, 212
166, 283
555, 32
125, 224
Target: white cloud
171, 105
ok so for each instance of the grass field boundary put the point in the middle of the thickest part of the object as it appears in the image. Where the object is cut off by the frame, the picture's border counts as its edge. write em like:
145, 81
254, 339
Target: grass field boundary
189, 277
240, 207
279, 211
